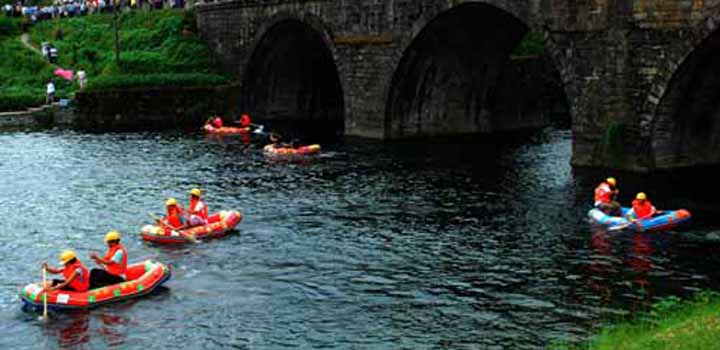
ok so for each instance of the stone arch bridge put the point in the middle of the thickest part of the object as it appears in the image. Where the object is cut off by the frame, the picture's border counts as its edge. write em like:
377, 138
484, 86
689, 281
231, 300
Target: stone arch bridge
641, 78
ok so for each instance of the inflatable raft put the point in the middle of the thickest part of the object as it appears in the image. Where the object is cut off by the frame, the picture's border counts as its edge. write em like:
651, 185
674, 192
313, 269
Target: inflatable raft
288, 151
142, 278
664, 221
218, 225
225, 130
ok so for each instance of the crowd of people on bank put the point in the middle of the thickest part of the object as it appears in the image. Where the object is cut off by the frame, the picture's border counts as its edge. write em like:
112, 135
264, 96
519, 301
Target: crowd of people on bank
72, 8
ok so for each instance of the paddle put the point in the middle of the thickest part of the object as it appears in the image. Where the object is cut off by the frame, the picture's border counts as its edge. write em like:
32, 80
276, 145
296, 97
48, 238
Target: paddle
620, 227
190, 238
44, 283
258, 128
631, 220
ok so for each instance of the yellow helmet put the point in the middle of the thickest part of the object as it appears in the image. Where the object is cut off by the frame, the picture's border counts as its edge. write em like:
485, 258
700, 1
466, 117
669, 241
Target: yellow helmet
196, 192
611, 180
112, 236
170, 202
66, 256
641, 196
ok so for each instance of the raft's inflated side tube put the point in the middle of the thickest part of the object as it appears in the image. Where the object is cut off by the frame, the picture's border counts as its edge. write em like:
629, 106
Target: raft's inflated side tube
225, 130
142, 278
664, 221
303, 150
218, 225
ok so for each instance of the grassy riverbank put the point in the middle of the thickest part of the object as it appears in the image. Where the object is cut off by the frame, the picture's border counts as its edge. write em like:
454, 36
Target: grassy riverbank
157, 48
671, 324
23, 73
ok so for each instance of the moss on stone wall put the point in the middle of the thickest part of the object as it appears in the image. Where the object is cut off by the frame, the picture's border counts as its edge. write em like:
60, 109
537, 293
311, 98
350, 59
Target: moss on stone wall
615, 147
533, 44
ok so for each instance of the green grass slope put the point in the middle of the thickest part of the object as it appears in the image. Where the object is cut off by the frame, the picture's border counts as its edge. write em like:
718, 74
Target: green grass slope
155, 49
671, 325
23, 73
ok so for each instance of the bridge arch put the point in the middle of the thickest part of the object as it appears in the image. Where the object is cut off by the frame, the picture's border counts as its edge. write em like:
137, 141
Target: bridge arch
291, 77
445, 77
682, 125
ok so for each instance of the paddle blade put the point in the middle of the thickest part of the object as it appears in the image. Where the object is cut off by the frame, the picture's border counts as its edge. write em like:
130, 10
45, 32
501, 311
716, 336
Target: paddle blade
619, 227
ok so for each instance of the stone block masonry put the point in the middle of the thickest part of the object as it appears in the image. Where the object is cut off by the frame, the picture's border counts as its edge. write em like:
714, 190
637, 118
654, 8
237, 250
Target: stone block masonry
409, 68
152, 108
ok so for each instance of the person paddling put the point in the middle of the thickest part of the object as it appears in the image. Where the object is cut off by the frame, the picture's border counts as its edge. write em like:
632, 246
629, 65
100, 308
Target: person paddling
275, 141
605, 197
76, 275
245, 121
197, 209
114, 263
641, 208
173, 218
217, 122
174, 221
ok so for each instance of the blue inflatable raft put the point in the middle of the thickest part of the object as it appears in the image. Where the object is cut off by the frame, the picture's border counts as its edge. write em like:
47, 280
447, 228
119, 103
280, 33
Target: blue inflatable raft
664, 221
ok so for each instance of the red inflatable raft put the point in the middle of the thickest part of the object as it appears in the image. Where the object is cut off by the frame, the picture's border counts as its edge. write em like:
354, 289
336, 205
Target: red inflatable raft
142, 278
225, 130
218, 225
287, 151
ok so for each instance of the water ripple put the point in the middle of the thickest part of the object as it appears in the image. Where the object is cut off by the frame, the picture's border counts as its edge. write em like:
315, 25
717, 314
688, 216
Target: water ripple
372, 245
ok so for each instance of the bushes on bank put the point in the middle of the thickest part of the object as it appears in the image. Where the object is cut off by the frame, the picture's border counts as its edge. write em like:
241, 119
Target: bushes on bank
23, 75
128, 81
9, 26
158, 49
150, 42
20, 100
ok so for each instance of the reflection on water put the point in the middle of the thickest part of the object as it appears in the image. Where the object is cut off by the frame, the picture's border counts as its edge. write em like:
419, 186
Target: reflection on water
473, 244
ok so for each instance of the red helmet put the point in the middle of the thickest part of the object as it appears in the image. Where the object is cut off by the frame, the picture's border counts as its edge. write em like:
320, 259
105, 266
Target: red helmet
217, 122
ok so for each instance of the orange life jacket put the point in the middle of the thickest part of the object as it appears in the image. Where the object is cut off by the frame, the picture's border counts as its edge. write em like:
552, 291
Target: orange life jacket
198, 207
113, 267
245, 121
642, 209
603, 193
80, 283
174, 219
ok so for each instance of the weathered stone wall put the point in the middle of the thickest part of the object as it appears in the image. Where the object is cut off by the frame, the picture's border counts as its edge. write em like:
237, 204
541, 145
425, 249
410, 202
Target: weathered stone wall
616, 59
153, 108
23, 120
529, 95
38, 118
367, 40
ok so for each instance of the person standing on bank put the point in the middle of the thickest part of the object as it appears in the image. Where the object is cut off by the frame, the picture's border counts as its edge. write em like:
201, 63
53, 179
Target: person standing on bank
50, 89
114, 263
82, 79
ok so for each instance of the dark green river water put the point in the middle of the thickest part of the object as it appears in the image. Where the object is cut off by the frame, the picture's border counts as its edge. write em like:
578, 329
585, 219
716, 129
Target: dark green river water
480, 245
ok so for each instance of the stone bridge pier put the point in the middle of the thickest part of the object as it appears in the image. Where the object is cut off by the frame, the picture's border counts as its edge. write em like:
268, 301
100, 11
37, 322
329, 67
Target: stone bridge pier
640, 77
